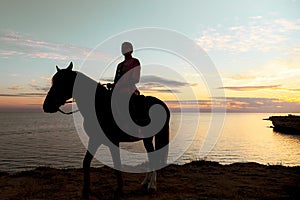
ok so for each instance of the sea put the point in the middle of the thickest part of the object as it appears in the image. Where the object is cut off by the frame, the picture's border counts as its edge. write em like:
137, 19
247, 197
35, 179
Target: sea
33, 139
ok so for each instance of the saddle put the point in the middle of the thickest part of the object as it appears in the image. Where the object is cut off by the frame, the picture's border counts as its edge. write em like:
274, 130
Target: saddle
138, 107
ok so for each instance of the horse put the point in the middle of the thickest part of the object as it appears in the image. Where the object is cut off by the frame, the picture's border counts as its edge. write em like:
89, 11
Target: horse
100, 114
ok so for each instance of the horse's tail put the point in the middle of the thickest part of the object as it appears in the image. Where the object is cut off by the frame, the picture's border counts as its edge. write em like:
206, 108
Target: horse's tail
162, 140
162, 144
162, 137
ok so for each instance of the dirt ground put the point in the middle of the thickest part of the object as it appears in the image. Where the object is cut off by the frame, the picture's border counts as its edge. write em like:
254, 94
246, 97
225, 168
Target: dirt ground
196, 180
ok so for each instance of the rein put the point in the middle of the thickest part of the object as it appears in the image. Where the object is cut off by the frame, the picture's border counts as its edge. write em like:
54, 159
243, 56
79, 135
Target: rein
68, 113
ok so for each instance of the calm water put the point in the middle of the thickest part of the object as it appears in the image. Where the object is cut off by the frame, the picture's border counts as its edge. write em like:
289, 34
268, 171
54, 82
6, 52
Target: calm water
29, 140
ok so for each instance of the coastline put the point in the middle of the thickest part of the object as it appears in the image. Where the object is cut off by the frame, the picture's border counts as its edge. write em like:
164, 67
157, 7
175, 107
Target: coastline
195, 180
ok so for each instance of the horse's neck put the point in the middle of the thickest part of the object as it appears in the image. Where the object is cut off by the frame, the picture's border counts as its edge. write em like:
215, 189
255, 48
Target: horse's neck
84, 91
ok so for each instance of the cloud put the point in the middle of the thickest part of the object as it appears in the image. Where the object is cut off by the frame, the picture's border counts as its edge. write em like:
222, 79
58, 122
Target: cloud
250, 88
278, 77
162, 81
39, 87
275, 40
15, 87
25, 94
255, 17
151, 83
161, 85
294, 89
236, 104
246, 104
287, 26
258, 35
147, 89
15, 44
253, 88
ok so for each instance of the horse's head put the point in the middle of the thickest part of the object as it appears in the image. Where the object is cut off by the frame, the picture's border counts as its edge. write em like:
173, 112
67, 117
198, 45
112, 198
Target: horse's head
61, 89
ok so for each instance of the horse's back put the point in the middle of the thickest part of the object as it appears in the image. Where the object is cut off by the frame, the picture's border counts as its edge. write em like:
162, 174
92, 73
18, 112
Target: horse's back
151, 100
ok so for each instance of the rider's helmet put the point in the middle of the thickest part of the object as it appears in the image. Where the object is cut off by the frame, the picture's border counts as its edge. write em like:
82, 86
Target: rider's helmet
127, 48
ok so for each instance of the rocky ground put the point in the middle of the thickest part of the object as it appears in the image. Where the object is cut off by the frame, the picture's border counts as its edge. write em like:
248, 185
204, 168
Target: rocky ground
196, 180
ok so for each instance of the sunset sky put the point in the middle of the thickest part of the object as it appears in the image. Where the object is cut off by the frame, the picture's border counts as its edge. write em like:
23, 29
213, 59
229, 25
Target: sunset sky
255, 46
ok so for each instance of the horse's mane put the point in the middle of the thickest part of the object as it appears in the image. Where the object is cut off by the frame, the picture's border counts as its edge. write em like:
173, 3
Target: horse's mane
81, 75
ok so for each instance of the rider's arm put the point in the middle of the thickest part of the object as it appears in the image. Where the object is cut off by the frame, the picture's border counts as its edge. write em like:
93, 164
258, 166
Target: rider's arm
136, 71
118, 73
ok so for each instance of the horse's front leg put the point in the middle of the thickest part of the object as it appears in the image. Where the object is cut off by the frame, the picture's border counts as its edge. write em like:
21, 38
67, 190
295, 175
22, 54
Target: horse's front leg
115, 153
86, 176
92, 148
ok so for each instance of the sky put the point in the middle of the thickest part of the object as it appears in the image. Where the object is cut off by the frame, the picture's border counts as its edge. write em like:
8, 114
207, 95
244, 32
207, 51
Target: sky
254, 45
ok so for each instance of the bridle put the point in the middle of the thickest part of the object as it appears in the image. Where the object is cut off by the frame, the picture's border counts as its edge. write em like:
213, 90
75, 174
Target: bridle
64, 102
68, 113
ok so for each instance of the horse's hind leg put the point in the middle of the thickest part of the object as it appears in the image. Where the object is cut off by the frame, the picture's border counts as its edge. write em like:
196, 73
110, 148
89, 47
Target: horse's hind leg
158, 158
150, 179
150, 148
161, 146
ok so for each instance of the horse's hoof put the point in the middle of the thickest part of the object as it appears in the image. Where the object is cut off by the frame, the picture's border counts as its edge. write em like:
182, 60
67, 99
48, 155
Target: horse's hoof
144, 186
151, 190
85, 194
118, 194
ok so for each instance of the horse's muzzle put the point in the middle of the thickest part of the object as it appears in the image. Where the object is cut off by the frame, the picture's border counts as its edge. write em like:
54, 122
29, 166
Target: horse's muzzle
48, 110
49, 106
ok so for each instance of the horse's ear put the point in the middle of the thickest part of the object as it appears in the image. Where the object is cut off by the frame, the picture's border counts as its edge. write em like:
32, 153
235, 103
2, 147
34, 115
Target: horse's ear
57, 68
70, 67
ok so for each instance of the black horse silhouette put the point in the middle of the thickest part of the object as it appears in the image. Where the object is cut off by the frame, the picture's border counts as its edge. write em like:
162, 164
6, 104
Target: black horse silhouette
97, 95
